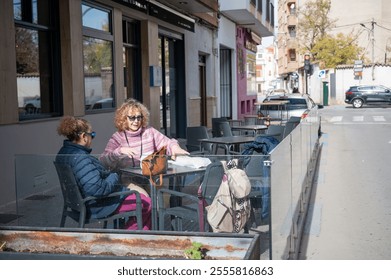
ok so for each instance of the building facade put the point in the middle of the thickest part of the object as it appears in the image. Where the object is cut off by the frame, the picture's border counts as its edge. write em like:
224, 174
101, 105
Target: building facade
254, 20
267, 70
289, 59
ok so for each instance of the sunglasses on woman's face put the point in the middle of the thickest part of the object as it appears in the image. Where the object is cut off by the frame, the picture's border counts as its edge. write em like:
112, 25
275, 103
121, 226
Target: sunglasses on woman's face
92, 134
133, 118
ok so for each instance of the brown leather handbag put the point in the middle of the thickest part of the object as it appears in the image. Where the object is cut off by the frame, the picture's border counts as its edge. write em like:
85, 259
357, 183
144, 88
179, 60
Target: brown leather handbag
155, 164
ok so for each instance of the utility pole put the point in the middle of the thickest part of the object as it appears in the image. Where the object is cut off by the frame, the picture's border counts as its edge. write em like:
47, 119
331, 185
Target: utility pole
373, 48
372, 38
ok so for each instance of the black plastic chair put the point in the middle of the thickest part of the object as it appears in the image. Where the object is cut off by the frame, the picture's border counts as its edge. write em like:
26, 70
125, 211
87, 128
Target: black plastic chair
226, 131
290, 125
75, 205
194, 211
193, 146
216, 132
276, 131
255, 171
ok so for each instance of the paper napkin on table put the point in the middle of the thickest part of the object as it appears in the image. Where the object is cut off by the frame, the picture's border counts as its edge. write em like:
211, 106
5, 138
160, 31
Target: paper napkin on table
195, 162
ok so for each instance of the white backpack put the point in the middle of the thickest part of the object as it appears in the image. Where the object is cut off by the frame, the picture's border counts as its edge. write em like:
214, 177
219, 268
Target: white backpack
230, 209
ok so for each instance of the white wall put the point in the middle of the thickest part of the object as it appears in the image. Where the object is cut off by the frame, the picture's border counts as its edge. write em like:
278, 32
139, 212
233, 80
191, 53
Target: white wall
345, 79
315, 83
199, 42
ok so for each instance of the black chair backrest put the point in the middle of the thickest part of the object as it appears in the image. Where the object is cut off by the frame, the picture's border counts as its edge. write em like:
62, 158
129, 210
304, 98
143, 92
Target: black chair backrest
69, 187
290, 125
254, 168
212, 180
193, 133
225, 129
216, 126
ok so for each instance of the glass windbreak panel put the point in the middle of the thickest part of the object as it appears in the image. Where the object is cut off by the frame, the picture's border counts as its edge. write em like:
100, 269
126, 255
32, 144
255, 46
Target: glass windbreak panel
96, 18
98, 73
40, 197
39, 200
281, 201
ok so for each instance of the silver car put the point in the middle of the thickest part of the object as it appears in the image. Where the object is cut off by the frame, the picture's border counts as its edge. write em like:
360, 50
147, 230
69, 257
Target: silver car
281, 107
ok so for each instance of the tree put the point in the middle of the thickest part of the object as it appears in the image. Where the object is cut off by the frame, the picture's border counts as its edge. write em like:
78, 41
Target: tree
337, 50
314, 23
313, 34
26, 51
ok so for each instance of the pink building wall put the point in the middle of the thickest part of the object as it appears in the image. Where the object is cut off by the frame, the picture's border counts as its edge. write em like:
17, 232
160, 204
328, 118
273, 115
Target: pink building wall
245, 101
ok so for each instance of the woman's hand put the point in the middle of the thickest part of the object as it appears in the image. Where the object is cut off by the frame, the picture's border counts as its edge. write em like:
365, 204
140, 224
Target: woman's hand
176, 151
127, 151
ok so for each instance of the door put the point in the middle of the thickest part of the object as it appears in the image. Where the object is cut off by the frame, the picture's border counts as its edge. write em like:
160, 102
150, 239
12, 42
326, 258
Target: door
325, 93
172, 91
383, 94
372, 94
131, 59
225, 83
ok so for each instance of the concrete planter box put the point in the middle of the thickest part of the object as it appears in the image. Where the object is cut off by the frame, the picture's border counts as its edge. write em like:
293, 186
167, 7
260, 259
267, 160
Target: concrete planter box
60, 243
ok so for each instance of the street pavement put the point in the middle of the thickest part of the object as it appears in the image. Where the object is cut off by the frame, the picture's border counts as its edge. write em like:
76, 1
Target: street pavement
350, 210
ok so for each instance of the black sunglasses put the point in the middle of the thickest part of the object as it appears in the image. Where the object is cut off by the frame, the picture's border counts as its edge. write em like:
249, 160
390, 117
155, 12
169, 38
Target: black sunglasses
92, 134
133, 118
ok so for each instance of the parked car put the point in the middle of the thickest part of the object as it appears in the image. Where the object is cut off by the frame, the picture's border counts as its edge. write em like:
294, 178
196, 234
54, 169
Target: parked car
103, 104
360, 95
32, 105
297, 105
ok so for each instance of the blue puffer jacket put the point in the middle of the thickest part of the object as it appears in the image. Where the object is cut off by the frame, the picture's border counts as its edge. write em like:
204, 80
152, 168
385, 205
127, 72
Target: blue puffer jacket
262, 145
92, 178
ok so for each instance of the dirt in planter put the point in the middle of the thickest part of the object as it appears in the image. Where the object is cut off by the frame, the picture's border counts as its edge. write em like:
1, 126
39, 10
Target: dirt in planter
52, 243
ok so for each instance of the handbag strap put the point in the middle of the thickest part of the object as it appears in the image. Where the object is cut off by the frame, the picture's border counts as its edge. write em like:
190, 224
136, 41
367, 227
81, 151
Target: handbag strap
160, 179
141, 148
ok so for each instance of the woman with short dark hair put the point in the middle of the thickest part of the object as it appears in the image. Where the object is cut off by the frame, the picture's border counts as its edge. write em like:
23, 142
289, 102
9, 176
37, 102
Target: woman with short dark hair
92, 177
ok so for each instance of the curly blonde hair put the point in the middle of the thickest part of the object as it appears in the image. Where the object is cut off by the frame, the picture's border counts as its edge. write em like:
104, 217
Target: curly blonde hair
72, 127
132, 105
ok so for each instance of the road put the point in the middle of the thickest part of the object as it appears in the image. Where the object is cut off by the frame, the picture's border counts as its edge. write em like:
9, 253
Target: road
350, 217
